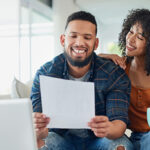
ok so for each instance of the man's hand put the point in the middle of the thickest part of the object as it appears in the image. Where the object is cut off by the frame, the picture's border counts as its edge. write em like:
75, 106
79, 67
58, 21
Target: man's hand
102, 127
40, 123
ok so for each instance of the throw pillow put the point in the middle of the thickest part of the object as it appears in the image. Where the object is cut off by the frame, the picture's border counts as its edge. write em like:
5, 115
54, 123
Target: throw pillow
19, 89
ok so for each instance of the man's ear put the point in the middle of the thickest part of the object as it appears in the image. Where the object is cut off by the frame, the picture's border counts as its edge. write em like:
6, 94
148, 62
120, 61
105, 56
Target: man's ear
62, 40
96, 43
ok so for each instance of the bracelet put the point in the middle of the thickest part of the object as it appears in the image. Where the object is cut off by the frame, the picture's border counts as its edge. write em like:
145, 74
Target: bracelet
44, 147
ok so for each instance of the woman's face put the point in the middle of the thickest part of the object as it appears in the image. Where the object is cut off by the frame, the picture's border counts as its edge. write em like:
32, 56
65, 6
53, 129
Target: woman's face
135, 41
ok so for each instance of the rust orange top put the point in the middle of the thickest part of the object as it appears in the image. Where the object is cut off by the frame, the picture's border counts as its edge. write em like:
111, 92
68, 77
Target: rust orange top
139, 102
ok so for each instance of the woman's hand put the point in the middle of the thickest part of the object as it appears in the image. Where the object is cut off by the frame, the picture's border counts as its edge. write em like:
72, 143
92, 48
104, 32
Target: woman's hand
116, 59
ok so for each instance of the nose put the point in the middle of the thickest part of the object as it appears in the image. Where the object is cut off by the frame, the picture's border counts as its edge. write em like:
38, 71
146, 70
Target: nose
79, 41
131, 39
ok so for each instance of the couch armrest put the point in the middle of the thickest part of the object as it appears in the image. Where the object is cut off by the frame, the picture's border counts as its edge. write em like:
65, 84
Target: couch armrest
5, 96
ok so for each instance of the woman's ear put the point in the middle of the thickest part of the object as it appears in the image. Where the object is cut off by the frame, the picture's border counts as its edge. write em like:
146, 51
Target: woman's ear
96, 44
62, 40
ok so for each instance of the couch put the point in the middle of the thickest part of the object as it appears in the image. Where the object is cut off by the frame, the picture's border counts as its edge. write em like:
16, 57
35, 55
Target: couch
18, 90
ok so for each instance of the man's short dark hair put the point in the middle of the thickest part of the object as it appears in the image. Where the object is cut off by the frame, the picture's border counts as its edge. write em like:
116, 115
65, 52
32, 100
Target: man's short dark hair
82, 15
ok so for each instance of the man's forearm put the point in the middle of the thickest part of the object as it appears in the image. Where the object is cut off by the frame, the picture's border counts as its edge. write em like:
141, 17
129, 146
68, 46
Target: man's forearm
117, 129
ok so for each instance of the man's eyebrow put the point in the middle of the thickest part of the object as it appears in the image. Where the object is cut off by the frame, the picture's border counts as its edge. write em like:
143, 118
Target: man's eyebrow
85, 34
88, 34
74, 32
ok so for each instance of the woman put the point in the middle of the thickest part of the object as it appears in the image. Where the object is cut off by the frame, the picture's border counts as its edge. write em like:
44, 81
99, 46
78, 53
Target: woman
134, 41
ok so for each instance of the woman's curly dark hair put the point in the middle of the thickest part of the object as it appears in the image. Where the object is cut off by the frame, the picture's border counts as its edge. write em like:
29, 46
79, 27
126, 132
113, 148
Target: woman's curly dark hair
141, 16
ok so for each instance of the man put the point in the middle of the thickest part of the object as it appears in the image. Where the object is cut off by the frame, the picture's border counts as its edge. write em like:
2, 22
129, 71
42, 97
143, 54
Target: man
112, 89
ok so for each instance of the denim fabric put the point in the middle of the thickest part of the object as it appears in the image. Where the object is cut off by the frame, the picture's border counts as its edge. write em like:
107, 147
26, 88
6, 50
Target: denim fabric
112, 87
141, 141
123, 141
69, 142
137, 141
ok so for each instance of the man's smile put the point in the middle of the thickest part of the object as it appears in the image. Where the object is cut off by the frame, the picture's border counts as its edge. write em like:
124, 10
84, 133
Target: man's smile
79, 52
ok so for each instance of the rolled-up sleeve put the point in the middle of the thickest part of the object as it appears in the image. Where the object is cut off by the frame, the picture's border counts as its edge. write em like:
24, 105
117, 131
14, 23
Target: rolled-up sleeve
118, 96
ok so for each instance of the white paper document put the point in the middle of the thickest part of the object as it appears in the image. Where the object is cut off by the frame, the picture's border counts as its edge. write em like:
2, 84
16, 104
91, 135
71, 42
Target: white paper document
69, 104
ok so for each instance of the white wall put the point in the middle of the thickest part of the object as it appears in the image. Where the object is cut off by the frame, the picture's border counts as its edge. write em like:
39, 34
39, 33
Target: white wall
61, 10
9, 12
108, 33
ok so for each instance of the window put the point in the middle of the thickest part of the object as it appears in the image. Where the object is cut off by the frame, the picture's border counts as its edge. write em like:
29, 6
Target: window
36, 42
25, 44
8, 57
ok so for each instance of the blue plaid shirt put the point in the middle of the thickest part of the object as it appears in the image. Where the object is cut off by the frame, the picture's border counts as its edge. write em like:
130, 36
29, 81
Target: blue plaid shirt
112, 86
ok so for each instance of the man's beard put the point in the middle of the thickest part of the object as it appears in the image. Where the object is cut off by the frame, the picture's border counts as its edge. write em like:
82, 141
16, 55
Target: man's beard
78, 63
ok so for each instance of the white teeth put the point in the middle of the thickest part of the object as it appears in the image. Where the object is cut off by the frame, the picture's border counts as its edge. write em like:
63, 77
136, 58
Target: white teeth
130, 46
79, 51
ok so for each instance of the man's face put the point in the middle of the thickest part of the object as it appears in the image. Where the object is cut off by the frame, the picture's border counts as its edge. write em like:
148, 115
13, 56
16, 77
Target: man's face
79, 42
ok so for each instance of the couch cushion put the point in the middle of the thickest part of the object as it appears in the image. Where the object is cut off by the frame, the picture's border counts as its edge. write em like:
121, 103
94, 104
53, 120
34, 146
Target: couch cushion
19, 89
